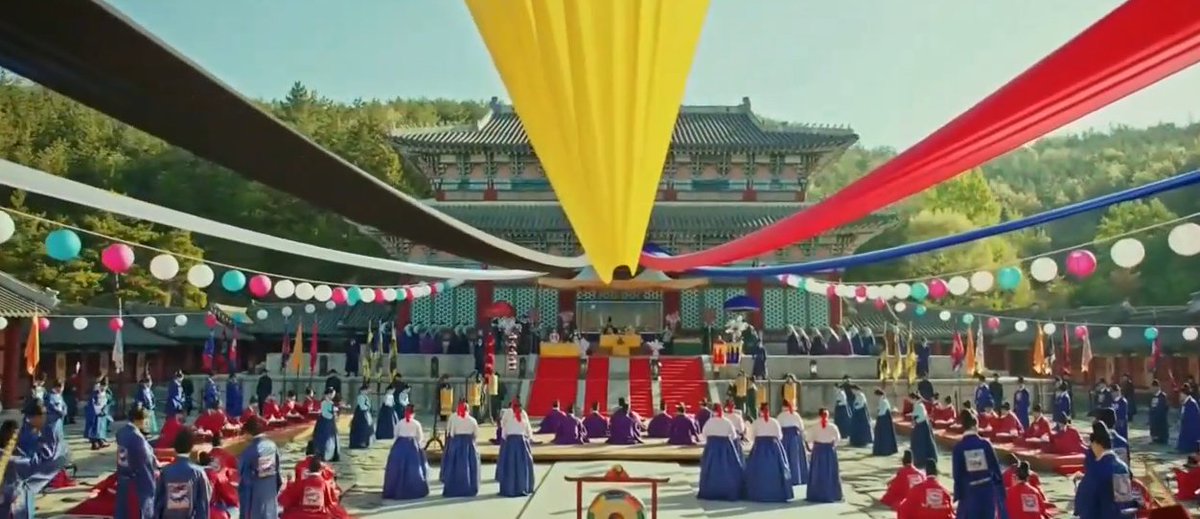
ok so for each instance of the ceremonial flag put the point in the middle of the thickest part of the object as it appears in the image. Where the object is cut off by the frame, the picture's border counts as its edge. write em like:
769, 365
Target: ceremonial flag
364, 356
1052, 357
1155, 356
370, 344
284, 350
298, 346
33, 345
884, 370
912, 356
210, 348
957, 352
969, 365
312, 349
233, 352
393, 360
1086, 354
980, 360
897, 360
118, 351
1038, 352
1066, 354
377, 348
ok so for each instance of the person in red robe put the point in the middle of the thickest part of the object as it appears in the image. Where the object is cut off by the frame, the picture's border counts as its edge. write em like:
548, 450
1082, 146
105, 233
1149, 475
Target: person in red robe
907, 477
302, 467
224, 491
1007, 427
1065, 440
944, 415
1187, 479
1024, 500
1038, 433
956, 427
987, 422
311, 407
226, 460
250, 411
293, 412
312, 497
1010, 475
271, 410
906, 408
212, 421
170, 429
929, 499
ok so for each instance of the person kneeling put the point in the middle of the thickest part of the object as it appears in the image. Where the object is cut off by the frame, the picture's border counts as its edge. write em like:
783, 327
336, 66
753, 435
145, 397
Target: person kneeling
944, 415
224, 491
905, 479
1007, 426
1026, 501
929, 499
1187, 479
312, 497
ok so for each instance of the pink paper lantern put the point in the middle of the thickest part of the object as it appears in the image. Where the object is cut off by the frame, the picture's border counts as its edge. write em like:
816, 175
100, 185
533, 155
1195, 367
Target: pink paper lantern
117, 258
260, 286
43, 324
993, 323
210, 320
379, 296
880, 304
408, 295
339, 296
115, 324
1081, 263
860, 292
831, 291
937, 289
1081, 332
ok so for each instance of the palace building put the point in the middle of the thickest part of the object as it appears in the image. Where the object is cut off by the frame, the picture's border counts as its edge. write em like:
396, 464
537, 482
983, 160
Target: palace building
728, 172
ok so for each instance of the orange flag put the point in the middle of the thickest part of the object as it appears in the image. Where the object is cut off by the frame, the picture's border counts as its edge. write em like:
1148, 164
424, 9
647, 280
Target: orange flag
33, 345
969, 363
1038, 355
298, 346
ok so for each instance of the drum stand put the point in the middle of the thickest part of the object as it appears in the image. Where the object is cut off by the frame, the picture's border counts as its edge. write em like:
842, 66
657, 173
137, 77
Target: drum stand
435, 437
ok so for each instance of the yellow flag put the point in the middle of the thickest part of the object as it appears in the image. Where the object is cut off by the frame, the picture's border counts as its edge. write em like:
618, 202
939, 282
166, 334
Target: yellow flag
969, 362
912, 356
897, 358
33, 346
298, 346
598, 86
884, 370
1038, 355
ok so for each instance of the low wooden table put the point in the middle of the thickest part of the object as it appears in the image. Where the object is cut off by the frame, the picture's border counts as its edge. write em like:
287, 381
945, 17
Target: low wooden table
622, 479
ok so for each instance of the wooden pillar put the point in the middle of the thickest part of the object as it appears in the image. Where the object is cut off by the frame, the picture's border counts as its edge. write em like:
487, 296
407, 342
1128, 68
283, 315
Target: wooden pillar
12, 363
754, 289
835, 304
485, 293
160, 368
749, 194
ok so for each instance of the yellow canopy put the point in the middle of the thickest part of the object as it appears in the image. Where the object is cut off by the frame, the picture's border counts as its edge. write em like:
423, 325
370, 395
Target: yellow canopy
647, 280
598, 85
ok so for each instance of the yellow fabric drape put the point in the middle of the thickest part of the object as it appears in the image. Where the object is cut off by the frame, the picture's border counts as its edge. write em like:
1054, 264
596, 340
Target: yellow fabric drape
885, 370
1038, 356
969, 363
598, 85
911, 360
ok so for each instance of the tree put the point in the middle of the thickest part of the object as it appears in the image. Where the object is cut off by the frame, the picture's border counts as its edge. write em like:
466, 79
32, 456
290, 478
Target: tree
969, 195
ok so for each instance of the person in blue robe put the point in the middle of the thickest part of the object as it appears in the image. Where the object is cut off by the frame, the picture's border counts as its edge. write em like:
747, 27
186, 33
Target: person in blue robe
1121, 407
96, 417
1101, 395
461, 468
1021, 403
25, 475
37, 435
1062, 404
176, 403
768, 475
978, 483
921, 443
137, 468
983, 395
56, 408
924, 351
211, 395
1160, 428
233, 397
794, 444
325, 433
514, 466
144, 398
824, 474
841, 410
1106, 488
1189, 422
71, 398
860, 420
183, 490
683, 429
1120, 445
722, 469
622, 428
385, 424
259, 475
885, 432
361, 428
406, 475
759, 369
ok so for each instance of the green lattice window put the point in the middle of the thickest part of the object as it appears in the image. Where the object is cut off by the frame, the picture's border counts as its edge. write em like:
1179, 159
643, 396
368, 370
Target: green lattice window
547, 305
691, 309
774, 308
818, 310
797, 307
464, 305
522, 299
422, 311
443, 308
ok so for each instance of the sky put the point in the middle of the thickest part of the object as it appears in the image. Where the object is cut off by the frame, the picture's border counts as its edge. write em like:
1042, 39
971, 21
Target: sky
894, 70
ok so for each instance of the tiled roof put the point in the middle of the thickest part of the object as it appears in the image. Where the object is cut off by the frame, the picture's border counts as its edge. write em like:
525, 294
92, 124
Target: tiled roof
97, 334
195, 329
18, 299
697, 127
666, 216
928, 326
339, 322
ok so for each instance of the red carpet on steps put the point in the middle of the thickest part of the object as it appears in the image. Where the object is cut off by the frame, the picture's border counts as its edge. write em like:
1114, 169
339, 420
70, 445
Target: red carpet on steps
595, 389
641, 396
556, 379
682, 380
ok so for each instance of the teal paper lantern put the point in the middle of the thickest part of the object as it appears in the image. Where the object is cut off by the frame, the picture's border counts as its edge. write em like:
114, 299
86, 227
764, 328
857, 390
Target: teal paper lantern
63, 245
920, 309
353, 296
967, 319
233, 281
1009, 278
1151, 333
920, 291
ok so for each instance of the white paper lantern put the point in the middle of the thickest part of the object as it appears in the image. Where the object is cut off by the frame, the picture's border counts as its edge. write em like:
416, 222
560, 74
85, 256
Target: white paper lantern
149, 322
1049, 328
1020, 326
945, 315
958, 285
200, 276
261, 314
285, 288
900, 307
872, 292
305, 291
841, 290
330, 305
3, 323
322, 293
181, 320
368, 295
1185, 239
80, 322
7, 227
164, 267
1190, 333
1114, 332
887, 292
389, 294
1044, 269
286, 311
310, 308
1127, 252
903, 290
819, 288
983, 281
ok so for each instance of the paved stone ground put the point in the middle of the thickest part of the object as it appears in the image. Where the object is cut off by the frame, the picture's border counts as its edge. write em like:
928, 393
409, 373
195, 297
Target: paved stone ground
361, 472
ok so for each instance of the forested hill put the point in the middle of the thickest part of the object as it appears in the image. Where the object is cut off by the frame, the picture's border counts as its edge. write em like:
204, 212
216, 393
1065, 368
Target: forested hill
50, 133
1050, 173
